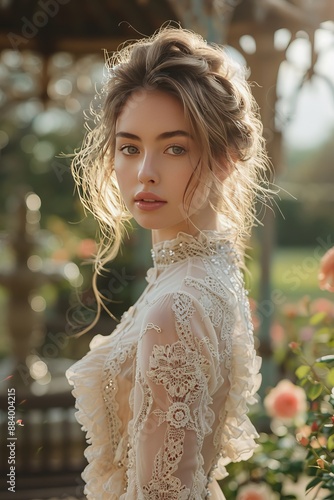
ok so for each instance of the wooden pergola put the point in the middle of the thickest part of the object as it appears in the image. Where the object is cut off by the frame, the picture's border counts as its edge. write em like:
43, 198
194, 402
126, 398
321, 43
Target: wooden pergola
81, 27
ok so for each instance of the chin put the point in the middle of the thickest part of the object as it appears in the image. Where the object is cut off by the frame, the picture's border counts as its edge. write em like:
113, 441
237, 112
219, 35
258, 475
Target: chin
148, 224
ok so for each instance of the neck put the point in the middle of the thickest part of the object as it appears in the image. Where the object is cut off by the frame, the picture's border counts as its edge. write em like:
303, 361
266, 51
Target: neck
205, 220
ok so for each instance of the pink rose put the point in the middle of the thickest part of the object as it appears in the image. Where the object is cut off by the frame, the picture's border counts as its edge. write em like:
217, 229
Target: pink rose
286, 401
326, 272
322, 305
256, 491
303, 435
318, 442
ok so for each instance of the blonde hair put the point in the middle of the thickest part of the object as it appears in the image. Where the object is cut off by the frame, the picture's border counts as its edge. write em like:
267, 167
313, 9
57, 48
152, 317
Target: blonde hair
222, 113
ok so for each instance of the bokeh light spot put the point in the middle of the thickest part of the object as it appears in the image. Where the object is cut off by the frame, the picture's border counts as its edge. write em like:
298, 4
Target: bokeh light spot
33, 201
34, 263
38, 303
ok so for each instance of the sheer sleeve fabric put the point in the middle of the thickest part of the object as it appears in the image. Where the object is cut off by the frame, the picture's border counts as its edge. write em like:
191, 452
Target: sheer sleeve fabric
176, 375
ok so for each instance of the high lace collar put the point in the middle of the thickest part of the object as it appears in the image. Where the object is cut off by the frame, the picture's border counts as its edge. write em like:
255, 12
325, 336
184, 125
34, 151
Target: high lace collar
185, 245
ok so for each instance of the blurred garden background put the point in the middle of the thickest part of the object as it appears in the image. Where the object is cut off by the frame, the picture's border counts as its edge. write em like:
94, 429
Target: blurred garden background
51, 66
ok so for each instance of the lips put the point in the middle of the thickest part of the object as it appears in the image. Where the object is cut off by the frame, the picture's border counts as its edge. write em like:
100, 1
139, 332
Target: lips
148, 197
148, 201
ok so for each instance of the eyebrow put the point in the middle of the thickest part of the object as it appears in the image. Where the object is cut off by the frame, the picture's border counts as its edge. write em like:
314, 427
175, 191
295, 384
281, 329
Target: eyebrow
164, 135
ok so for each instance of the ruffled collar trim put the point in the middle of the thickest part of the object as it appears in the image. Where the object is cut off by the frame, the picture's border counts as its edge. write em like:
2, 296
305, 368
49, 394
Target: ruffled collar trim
205, 243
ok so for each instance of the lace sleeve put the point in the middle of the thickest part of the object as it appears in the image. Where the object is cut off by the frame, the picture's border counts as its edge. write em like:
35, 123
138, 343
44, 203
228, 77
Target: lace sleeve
175, 377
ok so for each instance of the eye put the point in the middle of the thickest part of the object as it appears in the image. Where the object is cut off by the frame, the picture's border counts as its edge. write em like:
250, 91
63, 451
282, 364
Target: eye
175, 150
129, 150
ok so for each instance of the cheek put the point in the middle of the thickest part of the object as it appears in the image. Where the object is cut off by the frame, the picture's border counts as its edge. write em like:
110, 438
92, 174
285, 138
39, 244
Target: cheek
199, 194
199, 201
179, 184
122, 171
118, 162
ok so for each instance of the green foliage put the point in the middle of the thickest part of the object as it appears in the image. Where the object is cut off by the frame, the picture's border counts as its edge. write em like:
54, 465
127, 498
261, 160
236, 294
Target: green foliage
297, 229
292, 449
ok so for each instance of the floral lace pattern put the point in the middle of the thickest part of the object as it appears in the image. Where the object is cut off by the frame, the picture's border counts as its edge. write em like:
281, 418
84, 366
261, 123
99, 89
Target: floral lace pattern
181, 370
216, 307
174, 366
164, 398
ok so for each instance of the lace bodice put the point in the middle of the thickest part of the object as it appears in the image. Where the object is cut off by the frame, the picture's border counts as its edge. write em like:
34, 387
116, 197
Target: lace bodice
163, 399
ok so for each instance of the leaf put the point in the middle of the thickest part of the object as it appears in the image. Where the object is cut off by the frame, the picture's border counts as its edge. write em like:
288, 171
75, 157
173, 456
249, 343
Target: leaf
330, 443
321, 369
313, 483
330, 378
323, 331
329, 358
317, 318
314, 391
302, 371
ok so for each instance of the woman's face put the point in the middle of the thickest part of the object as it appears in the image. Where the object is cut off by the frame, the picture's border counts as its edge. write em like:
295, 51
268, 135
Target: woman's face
155, 157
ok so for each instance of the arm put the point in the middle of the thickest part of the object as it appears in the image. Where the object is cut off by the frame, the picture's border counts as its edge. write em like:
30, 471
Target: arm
174, 378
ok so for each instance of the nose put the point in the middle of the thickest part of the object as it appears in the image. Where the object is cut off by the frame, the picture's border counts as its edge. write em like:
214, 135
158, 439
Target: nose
147, 173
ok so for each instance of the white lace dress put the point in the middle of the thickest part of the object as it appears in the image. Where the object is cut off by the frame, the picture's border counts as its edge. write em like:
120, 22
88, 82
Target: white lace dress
163, 399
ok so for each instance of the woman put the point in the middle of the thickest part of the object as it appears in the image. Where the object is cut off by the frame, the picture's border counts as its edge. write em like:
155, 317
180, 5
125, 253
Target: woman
177, 146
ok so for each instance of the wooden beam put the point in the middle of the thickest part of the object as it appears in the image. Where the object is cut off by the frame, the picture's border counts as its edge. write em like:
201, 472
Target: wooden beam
288, 11
75, 45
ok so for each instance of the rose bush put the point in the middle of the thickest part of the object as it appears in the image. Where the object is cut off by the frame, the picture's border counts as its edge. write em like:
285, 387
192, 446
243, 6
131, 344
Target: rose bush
296, 417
